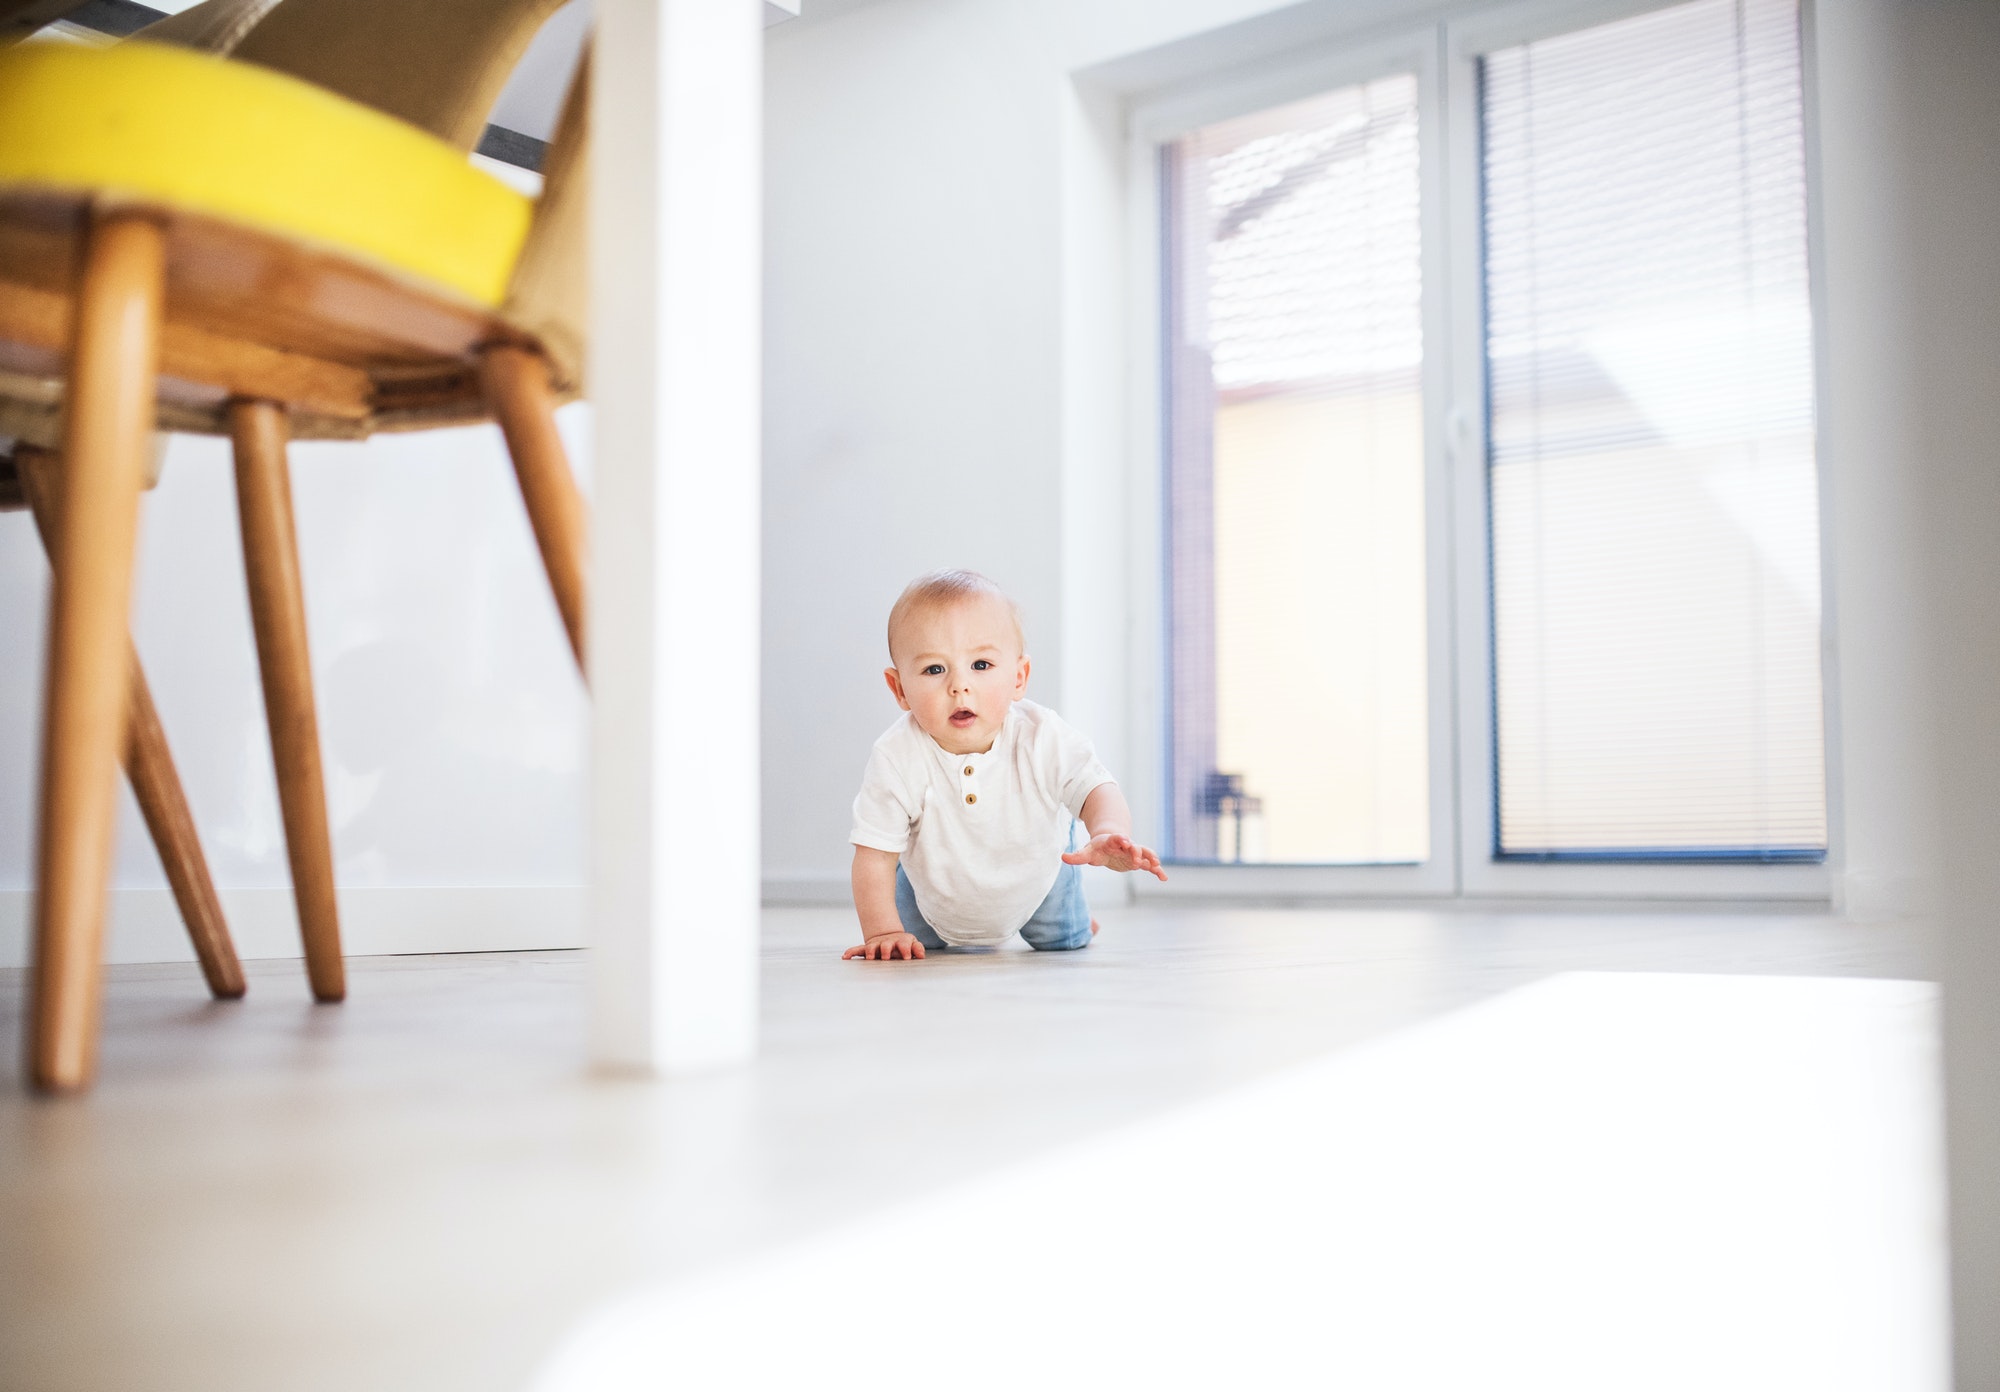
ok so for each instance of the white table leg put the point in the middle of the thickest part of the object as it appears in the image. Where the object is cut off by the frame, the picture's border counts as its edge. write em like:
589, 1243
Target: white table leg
676, 208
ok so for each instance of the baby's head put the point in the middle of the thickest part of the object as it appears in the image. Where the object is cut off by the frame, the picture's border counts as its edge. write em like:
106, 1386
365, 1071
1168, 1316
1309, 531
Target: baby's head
957, 657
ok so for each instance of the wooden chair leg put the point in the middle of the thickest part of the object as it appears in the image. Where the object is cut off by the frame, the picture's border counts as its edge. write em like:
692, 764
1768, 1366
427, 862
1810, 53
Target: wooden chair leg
108, 418
150, 765
516, 383
278, 614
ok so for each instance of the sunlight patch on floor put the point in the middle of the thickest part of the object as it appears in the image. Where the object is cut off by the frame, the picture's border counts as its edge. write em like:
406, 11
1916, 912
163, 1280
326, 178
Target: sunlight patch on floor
1599, 1180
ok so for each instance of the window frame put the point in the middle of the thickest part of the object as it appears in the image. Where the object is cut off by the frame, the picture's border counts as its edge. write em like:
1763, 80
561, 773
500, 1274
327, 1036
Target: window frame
1485, 874
1444, 56
1153, 128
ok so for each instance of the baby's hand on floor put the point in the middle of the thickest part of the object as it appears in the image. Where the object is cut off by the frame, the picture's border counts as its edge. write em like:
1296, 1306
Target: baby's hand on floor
1118, 853
886, 947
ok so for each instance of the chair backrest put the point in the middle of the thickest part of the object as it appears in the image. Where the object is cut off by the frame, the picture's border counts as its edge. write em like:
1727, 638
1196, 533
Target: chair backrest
214, 26
440, 65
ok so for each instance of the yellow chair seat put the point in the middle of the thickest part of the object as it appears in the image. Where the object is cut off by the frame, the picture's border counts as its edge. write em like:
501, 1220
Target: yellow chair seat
153, 124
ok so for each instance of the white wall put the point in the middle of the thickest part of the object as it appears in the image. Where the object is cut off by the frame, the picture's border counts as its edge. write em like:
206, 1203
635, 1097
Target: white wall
451, 714
1911, 210
1944, 132
910, 390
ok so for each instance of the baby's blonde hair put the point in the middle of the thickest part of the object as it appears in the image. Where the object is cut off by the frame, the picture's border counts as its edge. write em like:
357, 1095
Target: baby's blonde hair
943, 588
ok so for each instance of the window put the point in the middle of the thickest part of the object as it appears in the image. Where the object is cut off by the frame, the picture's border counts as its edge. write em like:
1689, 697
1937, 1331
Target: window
1296, 478
1656, 596
1490, 559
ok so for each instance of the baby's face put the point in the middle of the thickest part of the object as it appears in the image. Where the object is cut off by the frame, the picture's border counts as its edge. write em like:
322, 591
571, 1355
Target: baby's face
958, 668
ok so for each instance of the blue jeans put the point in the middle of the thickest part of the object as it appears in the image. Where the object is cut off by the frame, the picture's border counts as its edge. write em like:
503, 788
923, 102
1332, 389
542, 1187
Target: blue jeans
1061, 924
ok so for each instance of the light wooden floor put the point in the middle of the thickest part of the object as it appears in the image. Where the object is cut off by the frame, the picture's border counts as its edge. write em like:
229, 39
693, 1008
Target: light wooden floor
423, 1188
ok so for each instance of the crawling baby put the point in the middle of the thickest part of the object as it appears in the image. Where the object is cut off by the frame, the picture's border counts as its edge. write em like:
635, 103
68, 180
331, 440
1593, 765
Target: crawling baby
965, 817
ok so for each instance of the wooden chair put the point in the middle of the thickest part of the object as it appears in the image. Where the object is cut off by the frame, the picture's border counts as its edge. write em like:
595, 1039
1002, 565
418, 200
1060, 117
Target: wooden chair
227, 246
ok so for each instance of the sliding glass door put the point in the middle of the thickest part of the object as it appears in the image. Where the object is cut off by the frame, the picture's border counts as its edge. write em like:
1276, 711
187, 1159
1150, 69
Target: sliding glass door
1489, 486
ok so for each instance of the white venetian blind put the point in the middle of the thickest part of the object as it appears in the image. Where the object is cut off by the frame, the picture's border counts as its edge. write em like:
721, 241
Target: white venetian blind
1656, 596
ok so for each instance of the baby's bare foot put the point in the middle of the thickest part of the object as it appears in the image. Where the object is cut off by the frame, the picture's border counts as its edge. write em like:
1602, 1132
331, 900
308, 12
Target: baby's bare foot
1093, 927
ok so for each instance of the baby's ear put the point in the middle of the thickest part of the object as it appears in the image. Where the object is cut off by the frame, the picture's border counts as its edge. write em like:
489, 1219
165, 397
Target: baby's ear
895, 686
1021, 678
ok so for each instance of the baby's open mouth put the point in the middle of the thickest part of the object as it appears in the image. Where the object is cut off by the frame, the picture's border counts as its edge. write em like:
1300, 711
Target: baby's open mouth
963, 717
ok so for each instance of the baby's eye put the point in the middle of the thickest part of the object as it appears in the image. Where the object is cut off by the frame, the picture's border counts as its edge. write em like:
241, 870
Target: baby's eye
936, 669
981, 665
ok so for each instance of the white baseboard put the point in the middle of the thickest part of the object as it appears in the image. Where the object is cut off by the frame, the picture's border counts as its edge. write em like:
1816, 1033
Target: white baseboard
145, 925
806, 891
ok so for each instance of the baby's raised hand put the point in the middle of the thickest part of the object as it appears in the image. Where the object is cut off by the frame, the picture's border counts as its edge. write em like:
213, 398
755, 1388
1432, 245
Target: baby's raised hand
1117, 853
886, 947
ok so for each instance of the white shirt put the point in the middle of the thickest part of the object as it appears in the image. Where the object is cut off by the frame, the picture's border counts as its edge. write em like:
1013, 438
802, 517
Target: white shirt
981, 836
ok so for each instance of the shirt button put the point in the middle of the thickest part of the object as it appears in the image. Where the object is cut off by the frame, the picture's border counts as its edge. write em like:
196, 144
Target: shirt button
968, 770
972, 797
